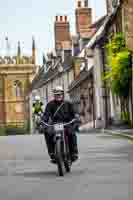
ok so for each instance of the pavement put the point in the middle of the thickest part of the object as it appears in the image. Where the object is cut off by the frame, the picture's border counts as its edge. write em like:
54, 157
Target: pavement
88, 128
127, 133
103, 172
113, 130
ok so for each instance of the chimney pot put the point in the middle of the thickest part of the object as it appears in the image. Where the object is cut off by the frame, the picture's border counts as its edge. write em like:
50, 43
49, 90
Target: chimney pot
61, 18
79, 4
83, 18
86, 3
56, 18
65, 18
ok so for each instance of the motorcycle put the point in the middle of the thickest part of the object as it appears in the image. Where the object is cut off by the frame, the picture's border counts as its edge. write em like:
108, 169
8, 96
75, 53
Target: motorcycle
36, 121
62, 152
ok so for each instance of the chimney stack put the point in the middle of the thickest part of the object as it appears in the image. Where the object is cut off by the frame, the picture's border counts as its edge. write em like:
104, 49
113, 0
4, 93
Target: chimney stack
83, 18
109, 6
62, 32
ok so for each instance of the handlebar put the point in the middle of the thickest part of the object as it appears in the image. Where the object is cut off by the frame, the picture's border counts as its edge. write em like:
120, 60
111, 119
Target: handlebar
51, 125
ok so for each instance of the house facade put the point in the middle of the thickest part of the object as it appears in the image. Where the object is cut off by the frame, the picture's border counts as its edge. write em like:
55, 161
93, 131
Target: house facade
107, 106
122, 23
57, 75
62, 67
83, 88
79, 62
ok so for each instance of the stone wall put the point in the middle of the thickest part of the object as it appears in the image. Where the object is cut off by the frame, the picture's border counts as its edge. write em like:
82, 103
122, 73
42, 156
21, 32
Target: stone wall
14, 107
86, 101
128, 17
15, 98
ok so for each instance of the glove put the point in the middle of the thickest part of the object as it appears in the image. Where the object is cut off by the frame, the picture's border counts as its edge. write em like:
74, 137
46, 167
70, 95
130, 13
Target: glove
41, 129
76, 127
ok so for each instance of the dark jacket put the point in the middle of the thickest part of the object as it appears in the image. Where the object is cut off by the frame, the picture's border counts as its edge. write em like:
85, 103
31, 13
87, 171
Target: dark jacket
65, 114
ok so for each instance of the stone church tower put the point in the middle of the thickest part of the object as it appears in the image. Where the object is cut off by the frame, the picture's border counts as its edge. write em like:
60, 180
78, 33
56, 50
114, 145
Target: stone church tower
16, 74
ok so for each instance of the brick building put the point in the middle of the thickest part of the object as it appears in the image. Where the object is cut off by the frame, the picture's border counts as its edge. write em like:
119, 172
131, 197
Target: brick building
118, 19
124, 18
66, 67
82, 90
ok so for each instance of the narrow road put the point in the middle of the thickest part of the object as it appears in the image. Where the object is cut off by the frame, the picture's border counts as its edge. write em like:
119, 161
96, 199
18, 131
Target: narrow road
104, 171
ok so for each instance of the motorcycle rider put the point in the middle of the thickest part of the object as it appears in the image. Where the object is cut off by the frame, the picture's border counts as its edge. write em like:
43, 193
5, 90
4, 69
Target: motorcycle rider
59, 110
37, 111
37, 105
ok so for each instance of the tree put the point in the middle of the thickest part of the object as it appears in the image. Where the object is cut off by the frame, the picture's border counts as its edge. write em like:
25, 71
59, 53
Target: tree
119, 71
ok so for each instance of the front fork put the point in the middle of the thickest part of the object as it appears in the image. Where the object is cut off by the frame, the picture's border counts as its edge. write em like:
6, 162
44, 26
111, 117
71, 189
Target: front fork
62, 137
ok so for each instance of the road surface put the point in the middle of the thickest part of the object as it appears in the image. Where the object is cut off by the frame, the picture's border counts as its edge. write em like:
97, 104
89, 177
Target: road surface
103, 172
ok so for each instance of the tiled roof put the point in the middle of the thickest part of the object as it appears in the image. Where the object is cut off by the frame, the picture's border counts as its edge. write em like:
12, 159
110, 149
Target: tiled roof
100, 32
82, 76
98, 23
103, 29
42, 78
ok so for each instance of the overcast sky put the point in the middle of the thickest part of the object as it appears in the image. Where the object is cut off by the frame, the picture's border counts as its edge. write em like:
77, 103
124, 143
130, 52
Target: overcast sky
19, 20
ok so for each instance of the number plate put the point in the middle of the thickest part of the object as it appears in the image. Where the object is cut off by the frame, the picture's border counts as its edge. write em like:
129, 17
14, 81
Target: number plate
58, 127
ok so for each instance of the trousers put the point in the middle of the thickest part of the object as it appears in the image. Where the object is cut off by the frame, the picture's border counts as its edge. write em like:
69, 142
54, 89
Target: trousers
72, 140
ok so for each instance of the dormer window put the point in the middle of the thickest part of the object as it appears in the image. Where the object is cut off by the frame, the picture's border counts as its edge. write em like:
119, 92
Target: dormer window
61, 18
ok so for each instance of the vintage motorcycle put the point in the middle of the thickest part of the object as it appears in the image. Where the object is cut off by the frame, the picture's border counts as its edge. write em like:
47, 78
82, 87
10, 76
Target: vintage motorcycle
62, 152
36, 121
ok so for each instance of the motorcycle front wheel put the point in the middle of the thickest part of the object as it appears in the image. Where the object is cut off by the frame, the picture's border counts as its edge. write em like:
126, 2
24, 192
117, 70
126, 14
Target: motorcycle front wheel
59, 158
67, 159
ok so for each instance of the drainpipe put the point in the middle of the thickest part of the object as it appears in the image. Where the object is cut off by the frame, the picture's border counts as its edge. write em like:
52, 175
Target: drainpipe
93, 106
30, 109
105, 96
132, 89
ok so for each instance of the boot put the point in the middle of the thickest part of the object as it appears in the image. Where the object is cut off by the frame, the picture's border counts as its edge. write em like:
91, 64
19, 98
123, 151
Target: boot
50, 146
73, 147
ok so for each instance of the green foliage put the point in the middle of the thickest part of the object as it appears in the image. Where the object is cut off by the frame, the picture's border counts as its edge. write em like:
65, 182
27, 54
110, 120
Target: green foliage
13, 130
2, 131
125, 117
116, 45
118, 73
